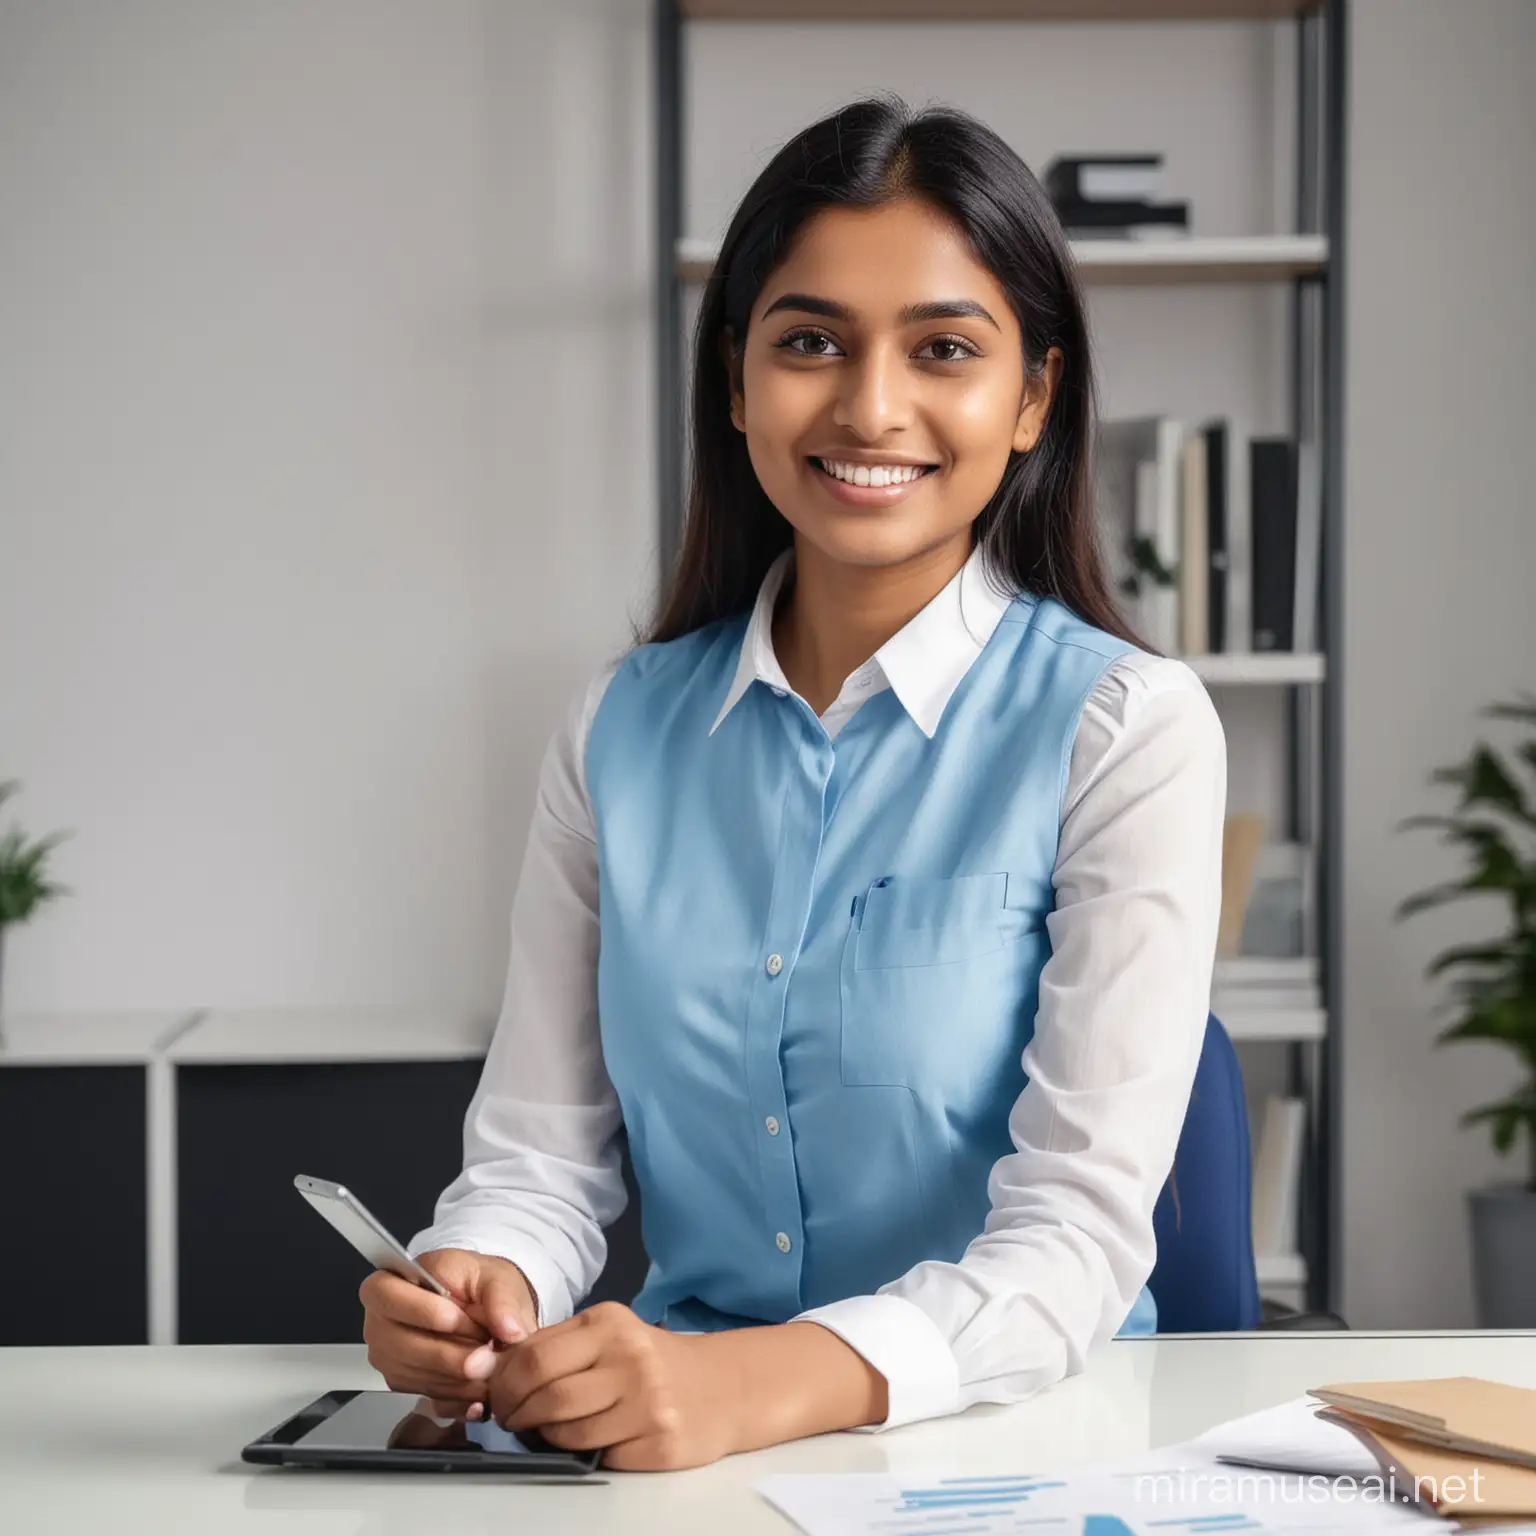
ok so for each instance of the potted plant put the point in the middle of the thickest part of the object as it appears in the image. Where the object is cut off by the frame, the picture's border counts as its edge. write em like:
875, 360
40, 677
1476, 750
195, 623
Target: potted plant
1493, 994
24, 882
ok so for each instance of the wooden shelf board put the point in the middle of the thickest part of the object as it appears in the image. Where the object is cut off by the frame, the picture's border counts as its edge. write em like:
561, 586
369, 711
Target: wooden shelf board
1285, 1024
1259, 668
995, 10
332, 1035
1234, 259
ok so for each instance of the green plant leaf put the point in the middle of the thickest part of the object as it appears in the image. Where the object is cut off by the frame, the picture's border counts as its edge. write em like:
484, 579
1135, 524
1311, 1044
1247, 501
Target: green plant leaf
1508, 1116
1523, 708
1483, 780
24, 881
1148, 562
1506, 954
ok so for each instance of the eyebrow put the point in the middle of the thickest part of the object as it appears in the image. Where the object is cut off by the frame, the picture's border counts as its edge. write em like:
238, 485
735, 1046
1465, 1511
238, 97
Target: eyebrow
934, 309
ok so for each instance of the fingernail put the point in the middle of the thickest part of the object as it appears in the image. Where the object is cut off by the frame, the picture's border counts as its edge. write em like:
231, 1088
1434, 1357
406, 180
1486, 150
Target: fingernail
480, 1363
476, 1413
511, 1330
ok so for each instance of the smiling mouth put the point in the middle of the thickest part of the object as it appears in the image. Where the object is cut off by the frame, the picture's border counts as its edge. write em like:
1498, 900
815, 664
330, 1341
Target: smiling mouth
888, 475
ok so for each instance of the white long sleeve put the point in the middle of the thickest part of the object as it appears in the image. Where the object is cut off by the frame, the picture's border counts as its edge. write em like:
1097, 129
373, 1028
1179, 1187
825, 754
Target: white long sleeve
541, 1172
1123, 1000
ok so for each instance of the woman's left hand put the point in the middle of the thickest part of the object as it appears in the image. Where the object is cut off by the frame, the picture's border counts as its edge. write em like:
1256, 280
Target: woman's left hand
656, 1400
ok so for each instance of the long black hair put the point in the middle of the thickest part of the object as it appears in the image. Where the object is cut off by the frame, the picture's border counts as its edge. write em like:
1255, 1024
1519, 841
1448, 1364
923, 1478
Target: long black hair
1038, 528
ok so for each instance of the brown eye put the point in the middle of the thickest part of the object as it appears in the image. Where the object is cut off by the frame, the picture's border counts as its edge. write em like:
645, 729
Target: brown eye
965, 349
788, 343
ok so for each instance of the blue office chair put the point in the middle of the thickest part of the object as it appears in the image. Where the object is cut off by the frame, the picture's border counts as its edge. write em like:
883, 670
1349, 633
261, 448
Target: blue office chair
1204, 1280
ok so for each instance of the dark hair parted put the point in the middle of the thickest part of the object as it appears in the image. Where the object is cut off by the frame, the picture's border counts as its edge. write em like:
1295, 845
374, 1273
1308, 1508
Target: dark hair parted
1038, 528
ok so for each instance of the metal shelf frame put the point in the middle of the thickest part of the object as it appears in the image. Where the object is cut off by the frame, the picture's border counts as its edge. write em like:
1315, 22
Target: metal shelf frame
1317, 297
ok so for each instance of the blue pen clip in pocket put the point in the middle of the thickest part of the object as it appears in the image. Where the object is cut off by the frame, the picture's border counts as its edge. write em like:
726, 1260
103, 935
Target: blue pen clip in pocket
907, 921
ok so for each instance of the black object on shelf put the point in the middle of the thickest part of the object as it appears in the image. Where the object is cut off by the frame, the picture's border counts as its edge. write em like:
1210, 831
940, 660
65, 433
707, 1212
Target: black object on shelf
1102, 178
1111, 220
1216, 514
1273, 476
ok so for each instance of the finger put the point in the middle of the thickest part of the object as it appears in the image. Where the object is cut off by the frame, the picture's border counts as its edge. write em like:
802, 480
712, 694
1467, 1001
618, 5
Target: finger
548, 1356
472, 1409
502, 1303
572, 1397
435, 1355
399, 1301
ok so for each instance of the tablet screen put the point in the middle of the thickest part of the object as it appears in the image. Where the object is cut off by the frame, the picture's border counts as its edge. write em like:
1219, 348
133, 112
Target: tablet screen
379, 1421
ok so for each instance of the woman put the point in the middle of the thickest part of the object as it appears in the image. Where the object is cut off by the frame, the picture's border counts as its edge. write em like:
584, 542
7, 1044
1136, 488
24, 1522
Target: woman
874, 895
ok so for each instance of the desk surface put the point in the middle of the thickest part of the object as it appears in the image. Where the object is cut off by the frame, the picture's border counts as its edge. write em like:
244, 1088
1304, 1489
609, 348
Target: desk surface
148, 1440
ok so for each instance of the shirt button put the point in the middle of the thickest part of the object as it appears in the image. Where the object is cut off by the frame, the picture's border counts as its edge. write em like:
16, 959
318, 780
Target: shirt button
783, 1241
779, 693
772, 1125
775, 964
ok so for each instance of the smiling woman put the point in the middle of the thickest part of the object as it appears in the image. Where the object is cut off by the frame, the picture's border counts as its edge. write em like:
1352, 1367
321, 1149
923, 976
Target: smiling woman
873, 894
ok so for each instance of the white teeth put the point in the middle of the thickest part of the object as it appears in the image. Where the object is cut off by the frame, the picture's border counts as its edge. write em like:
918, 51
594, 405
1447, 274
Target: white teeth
878, 474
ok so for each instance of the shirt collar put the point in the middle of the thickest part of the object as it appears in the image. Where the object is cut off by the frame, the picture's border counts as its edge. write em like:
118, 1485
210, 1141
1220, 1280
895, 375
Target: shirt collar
923, 662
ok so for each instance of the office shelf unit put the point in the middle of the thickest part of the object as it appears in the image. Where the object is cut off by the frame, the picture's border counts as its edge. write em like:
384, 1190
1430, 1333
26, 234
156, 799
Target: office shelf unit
1307, 263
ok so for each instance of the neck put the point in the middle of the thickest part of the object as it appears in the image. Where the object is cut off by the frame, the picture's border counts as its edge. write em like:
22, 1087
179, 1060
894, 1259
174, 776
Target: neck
836, 616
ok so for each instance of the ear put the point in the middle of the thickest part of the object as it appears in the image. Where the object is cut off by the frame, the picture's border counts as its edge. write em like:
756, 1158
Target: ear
1039, 391
732, 362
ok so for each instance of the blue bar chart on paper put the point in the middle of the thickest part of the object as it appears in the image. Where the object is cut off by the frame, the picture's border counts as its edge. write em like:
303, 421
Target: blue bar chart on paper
1158, 1497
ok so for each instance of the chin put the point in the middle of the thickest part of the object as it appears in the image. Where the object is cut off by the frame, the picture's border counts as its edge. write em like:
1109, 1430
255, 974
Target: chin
870, 539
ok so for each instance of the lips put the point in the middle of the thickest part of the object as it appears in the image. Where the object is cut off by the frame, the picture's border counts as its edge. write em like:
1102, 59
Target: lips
866, 495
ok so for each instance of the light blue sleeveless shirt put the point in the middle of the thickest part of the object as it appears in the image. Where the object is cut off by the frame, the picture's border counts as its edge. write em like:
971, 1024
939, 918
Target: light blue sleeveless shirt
819, 960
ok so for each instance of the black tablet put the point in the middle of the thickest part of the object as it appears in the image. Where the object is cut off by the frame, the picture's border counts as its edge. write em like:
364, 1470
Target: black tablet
398, 1432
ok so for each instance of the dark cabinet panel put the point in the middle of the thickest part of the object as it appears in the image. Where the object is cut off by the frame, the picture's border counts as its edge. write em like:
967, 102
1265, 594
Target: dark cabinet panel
72, 1172
256, 1264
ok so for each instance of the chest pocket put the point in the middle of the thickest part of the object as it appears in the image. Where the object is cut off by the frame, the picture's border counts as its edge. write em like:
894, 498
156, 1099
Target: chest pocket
937, 980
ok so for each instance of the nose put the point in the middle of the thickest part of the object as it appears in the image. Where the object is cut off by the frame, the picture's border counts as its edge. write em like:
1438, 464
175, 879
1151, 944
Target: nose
873, 395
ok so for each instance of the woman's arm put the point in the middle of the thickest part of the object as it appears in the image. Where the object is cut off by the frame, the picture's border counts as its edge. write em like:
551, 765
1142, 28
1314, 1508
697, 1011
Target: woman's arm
1123, 1003
541, 1154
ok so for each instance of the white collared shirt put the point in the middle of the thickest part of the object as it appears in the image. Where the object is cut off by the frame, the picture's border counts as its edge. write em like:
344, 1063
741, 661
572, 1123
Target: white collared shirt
1124, 992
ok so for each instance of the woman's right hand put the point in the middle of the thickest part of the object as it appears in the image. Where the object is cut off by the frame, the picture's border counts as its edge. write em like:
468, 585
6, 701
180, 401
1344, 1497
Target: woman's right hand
446, 1350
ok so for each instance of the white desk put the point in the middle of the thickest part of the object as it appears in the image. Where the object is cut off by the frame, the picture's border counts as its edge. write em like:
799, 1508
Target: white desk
147, 1440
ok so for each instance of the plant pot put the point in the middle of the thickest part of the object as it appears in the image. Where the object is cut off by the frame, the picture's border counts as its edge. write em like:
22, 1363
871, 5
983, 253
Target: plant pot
1504, 1255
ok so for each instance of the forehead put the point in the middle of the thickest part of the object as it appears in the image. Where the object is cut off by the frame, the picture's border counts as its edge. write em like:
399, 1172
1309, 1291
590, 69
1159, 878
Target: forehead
877, 260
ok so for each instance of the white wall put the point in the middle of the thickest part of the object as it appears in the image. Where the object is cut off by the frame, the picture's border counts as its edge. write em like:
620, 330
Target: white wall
1440, 521
326, 463
325, 474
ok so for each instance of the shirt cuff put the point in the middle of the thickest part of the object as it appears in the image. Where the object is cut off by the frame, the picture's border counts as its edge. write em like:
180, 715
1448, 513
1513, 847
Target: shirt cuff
905, 1345
551, 1295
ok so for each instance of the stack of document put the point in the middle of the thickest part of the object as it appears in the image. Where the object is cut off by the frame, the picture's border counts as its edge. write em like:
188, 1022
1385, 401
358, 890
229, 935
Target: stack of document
1468, 1446
1374, 1458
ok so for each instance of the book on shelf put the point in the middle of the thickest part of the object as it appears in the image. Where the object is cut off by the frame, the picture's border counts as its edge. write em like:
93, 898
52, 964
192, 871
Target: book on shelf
1194, 558
1123, 221
1242, 838
1280, 918
1264, 985
1137, 507
1112, 197
1261, 984
1273, 468
1277, 1175
1212, 537
1216, 519
1240, 972
1309, 546
1103, 178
